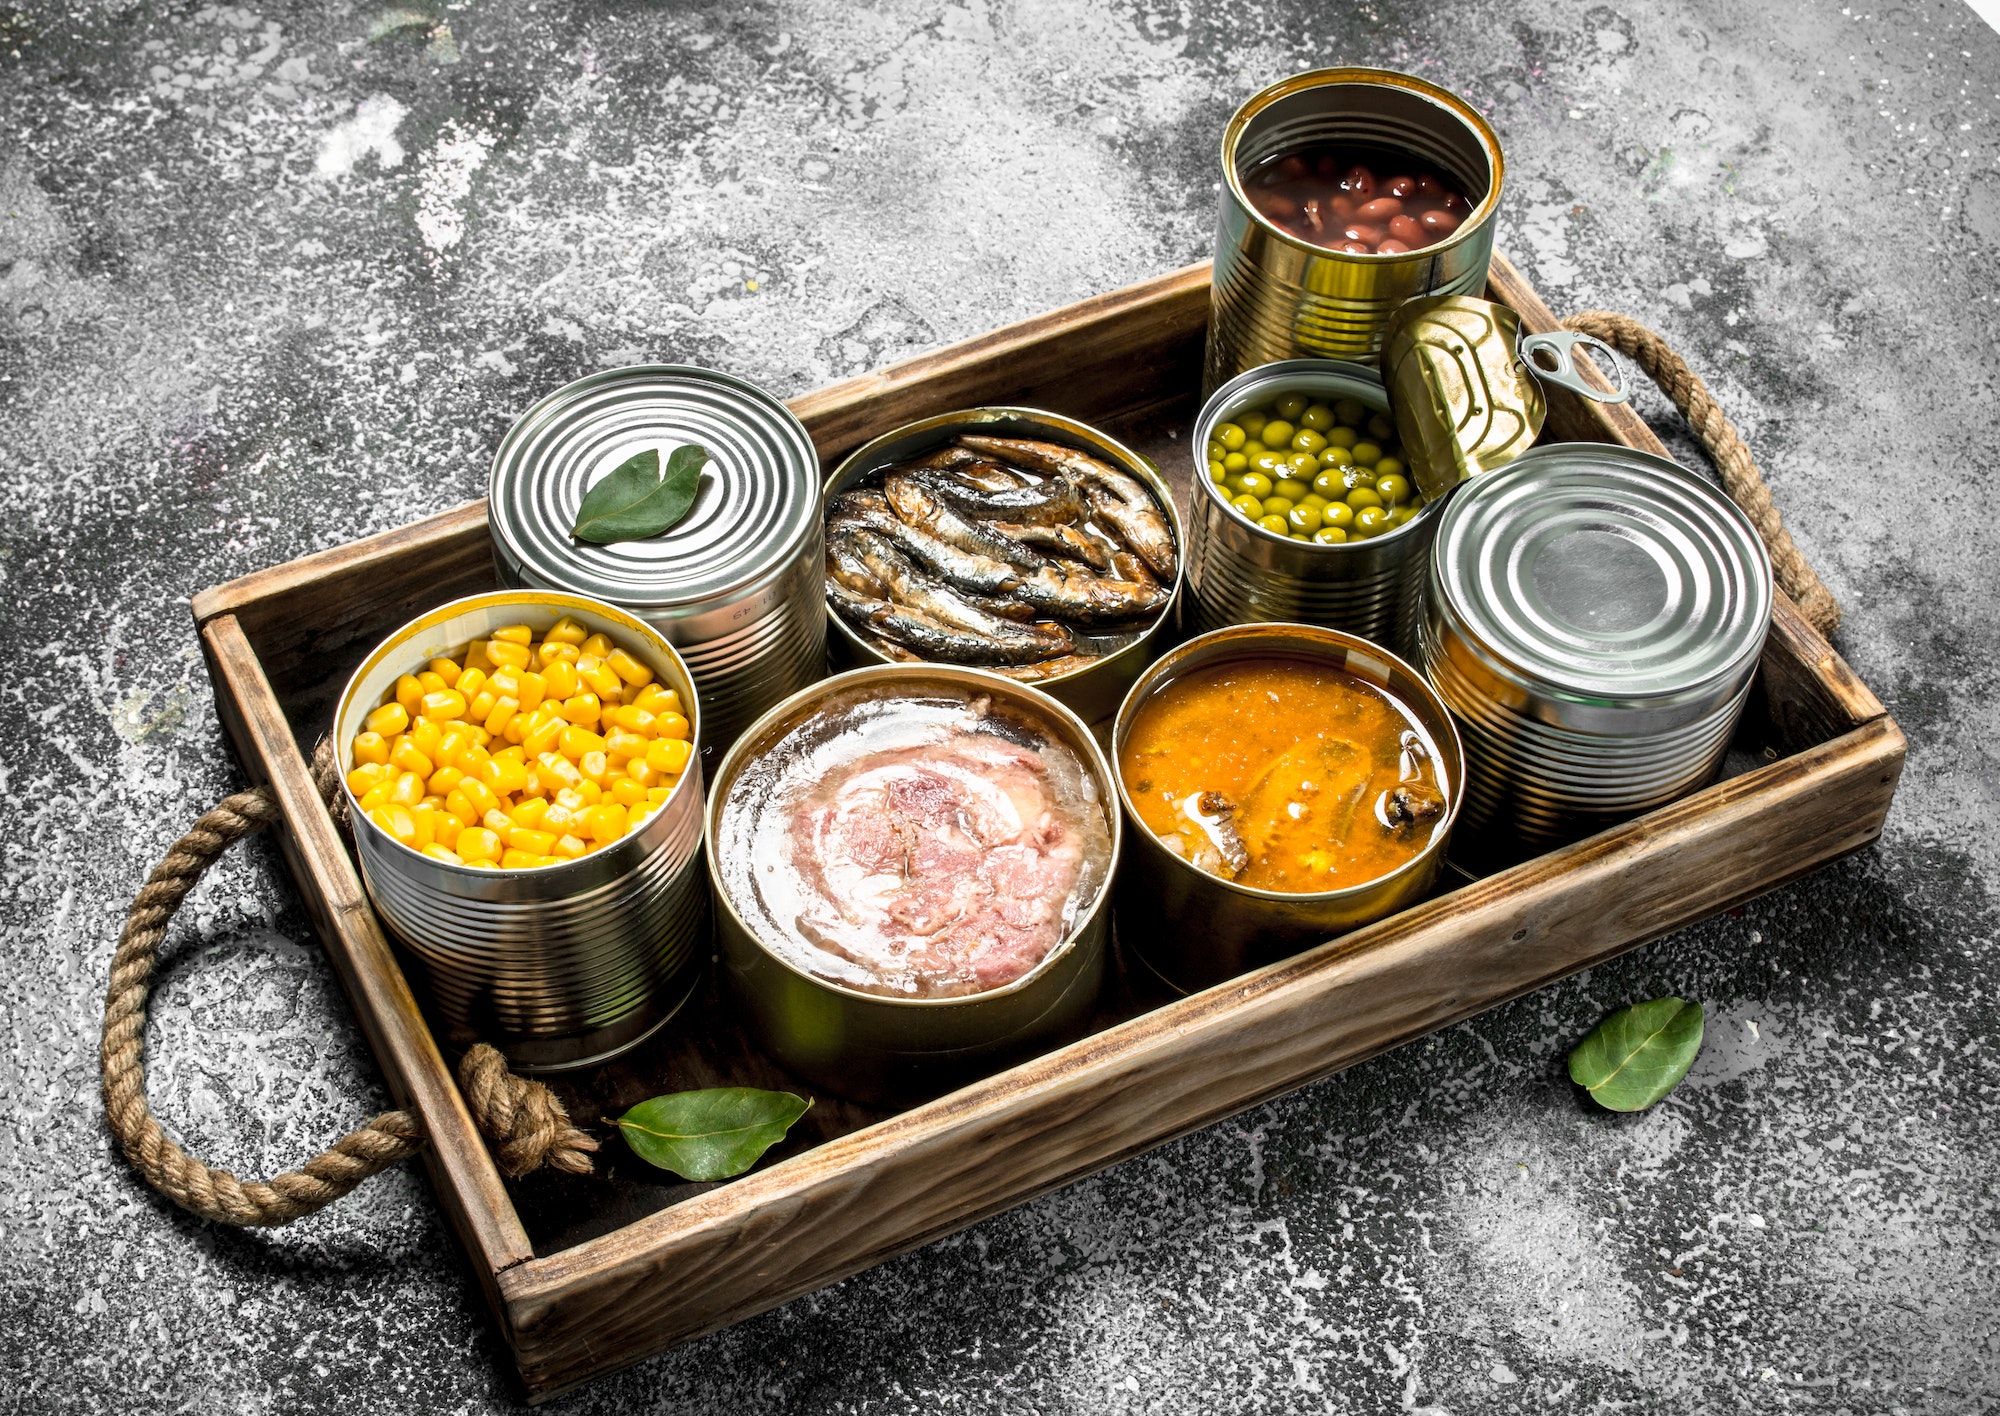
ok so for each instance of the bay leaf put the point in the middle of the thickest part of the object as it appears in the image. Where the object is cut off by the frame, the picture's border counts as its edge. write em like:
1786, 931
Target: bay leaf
709, 1135
1638, 1054
637, 500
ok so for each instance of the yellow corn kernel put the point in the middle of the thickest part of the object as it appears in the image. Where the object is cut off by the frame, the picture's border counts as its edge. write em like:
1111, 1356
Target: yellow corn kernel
556, 772
480, 864
378, 795
409, 693
508, 656
559, 680
624, 744
407, 790
639, 816
669, 754
656, 698
368, 776
630, 717
521, 838
432, 682
426, 733
571, 798
581, 709
672, 725
469, 683
530, 690
447, 826
643, 772
598, 644
477, 843
570, 846
480, 736
629, 668
599, 676
504, 709
505, 682
457, 741
544, 735
512, 634
627, 792
594, 766
605, 821
513, 776
408, 756
396, 823
566, 631
559, 818
519, 860
551, 653
656, 795
444, 706
425, 819
475, 658
459, 805
497, 821
516, 731
388, 720
529, 813
577, 741
443, 853
481, 706
478, 794
443, 780
446, 669
370, 747
590, 792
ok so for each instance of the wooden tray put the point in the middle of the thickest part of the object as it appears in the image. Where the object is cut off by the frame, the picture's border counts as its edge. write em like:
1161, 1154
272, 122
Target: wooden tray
584, 1275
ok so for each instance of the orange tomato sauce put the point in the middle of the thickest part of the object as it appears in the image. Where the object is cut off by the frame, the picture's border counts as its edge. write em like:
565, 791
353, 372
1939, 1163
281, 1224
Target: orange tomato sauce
1284, 774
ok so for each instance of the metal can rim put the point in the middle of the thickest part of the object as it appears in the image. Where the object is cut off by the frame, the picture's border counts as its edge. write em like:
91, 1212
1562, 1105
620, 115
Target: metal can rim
1276, 373
1093, 759
564, 600
854, 466
1232, 135
1350, 644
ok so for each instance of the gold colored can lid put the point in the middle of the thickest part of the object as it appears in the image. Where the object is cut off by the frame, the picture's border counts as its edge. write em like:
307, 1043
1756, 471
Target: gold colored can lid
1464, 399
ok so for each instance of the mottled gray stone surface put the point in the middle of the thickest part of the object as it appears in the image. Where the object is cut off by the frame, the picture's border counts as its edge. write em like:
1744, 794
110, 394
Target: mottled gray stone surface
268, 284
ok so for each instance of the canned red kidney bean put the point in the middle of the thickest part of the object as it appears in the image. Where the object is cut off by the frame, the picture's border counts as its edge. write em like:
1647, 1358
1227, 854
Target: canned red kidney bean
1339, 198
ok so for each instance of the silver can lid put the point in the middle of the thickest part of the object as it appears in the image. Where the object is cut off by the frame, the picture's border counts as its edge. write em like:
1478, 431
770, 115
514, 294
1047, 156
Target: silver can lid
757, 500
1606, 578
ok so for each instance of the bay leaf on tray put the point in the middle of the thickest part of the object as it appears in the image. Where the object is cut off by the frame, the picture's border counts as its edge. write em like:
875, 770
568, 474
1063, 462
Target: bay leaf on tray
637, 500
709, 1135
1638, 1054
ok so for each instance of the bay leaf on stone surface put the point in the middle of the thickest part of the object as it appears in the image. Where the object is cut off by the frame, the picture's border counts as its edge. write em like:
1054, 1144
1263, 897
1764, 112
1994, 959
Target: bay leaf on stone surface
1638, 1054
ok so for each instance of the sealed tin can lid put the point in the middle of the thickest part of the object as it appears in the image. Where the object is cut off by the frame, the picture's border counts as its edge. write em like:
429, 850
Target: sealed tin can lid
1465, 401
1605, 576
757, 500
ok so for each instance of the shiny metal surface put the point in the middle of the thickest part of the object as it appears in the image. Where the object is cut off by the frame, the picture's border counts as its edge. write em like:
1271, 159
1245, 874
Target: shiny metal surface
1594, 621
895, 1051
1465, 401
563, 966
734, 586
1240, 573
1093, 692
1277, 297
1195, 930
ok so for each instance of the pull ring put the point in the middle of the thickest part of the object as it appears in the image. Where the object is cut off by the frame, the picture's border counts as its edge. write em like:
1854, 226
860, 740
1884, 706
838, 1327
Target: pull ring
1560, 345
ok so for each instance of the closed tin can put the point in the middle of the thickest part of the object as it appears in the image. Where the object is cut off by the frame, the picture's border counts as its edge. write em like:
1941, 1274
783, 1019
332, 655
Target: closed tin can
1594, 622
1193, 929
1276, 296
734, 586
1241, 573
558, 967
892, 1050
1094, 691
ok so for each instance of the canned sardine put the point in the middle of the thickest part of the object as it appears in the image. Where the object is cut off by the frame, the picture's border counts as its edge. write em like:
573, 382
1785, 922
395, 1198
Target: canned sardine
734, 586
560, 966
1280, 296
1241, 573
1595, 619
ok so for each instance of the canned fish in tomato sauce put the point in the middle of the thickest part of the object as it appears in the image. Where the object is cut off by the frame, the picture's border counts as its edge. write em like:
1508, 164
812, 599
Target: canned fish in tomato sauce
734, 586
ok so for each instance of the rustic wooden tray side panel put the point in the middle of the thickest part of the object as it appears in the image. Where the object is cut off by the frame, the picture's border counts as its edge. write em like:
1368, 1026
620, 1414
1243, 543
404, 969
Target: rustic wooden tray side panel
280, 642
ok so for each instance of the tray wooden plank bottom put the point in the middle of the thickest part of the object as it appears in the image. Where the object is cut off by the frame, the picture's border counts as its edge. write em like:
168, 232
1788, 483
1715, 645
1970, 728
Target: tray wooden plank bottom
587, 1274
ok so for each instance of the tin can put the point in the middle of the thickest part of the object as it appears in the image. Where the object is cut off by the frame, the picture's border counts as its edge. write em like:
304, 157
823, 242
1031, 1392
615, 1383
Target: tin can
1241, 573
1094, 691
1595, 620
1278, 297
563, 966
1194, 930
734, 586
1466, 387
895, 1051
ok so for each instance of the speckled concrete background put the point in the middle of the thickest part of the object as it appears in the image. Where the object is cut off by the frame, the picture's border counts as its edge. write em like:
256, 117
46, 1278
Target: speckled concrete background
275, 277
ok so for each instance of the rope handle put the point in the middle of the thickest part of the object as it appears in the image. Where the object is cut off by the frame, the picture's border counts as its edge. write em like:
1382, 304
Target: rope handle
1741, 477
526, 1123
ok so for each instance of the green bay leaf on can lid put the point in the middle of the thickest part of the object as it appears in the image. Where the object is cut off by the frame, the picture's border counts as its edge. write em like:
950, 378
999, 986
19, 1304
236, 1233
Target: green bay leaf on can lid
637, 499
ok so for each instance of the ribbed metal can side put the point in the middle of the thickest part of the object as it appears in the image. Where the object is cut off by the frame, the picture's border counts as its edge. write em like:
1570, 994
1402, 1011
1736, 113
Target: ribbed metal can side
558, 967
1275, 296
1239, 573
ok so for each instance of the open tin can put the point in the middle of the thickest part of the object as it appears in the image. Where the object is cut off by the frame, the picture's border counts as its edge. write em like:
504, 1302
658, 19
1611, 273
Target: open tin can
734, 585
1277, 296
561, 966
1240, 573
1193, 929
1094, 690
1595, 620
894, 1050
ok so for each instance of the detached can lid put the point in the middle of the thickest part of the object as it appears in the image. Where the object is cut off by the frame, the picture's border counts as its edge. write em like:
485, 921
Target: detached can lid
1605, 578
757, 501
